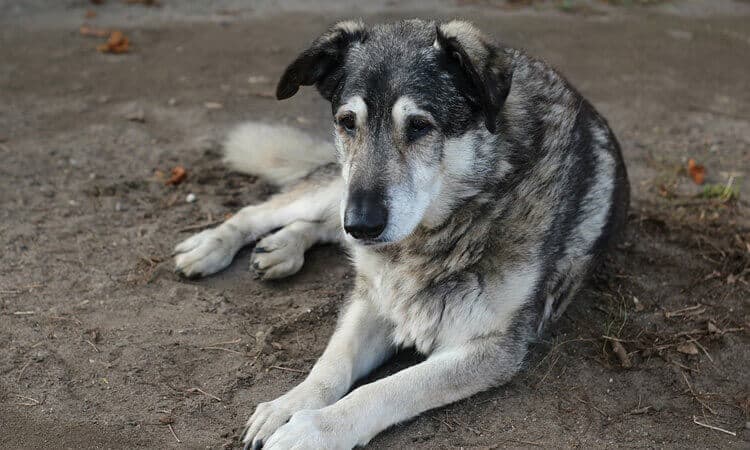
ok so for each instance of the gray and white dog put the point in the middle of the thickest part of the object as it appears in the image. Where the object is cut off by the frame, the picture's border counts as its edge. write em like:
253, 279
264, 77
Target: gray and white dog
477, 190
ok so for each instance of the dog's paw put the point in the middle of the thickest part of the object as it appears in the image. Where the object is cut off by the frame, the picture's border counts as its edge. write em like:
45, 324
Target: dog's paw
309, 430
207, 252
278, 255
269, 416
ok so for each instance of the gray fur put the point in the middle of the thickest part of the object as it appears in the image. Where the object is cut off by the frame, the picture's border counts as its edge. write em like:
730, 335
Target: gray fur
497, 211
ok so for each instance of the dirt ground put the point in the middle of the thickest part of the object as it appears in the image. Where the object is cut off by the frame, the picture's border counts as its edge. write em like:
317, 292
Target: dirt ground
101, 346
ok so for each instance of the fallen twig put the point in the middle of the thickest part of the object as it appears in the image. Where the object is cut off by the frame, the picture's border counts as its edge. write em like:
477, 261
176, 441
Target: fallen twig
473, 430
450, 427
695, 421
236, 341
689, 311
694, 341
92, 345
606, 416
192, 390
695, 396
642, 410
287, 369
32, 401
222, 348
169, 425
622, 354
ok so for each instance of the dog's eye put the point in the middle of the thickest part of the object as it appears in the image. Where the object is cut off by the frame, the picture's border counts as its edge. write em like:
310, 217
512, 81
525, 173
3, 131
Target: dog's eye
347, 122
417, 127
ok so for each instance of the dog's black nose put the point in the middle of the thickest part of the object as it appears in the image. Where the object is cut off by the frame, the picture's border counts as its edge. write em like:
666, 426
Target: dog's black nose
366, 215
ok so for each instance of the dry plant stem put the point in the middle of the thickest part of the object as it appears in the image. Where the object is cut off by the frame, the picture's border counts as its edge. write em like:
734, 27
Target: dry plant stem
169, 425
622, 355
695, 396
695, 421
289, 369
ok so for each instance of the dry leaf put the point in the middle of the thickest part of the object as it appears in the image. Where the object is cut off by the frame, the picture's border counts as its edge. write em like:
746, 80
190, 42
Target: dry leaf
86, 30
178, 176
696, 171
117, 43
688, 348
638, 305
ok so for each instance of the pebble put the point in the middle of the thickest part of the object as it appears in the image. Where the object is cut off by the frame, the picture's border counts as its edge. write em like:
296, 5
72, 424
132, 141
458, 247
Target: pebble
190, 198
136, 115
256, 79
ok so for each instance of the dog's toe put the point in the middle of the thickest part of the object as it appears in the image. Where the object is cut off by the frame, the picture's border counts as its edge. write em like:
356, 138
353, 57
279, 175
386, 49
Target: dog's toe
276, 258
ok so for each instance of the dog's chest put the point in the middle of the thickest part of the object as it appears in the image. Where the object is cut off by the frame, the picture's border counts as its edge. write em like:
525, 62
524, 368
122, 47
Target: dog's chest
399, 296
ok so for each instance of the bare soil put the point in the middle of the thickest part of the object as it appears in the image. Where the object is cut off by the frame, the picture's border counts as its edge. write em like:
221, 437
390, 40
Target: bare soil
101, 346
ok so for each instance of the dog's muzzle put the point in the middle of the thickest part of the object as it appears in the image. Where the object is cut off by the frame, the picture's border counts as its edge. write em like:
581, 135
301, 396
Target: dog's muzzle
366, 215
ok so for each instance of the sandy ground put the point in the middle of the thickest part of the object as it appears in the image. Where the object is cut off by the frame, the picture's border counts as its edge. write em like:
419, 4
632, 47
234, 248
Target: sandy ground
101, 346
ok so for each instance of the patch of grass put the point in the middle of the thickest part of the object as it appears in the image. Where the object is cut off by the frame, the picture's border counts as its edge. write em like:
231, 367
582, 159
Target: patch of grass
724, 192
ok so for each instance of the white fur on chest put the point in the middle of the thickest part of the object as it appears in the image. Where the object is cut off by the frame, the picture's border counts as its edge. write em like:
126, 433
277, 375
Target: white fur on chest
396, 296
452, 313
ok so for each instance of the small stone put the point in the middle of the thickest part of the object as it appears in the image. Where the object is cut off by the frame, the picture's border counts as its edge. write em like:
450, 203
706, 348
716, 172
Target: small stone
256, 79
190, 198
136, 115
213, 105
172, 101
688, 348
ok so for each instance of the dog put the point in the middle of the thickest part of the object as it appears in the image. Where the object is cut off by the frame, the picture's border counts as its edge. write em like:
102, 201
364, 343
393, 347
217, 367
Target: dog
475, 190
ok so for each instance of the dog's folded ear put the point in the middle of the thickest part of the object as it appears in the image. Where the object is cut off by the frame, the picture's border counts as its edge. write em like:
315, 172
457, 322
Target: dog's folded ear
321, 64
481, 64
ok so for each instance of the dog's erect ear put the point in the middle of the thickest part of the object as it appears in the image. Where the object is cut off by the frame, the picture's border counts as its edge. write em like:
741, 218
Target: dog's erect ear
480, 63
321, 64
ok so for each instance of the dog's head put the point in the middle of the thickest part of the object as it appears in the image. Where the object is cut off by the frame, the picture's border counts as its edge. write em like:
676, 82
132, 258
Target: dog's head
405, 98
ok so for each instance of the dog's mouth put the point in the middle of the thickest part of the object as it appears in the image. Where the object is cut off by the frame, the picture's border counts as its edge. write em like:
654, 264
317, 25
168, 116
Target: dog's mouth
367, 242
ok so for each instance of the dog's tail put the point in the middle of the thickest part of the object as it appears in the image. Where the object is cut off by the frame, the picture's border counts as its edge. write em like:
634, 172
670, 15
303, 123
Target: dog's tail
278, 153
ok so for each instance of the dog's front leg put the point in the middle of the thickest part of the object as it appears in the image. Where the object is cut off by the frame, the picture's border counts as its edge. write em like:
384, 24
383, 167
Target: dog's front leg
445, 377
360, 343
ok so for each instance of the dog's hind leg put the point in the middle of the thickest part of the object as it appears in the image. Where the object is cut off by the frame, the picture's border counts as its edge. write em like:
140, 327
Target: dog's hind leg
282, 253
313, 200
